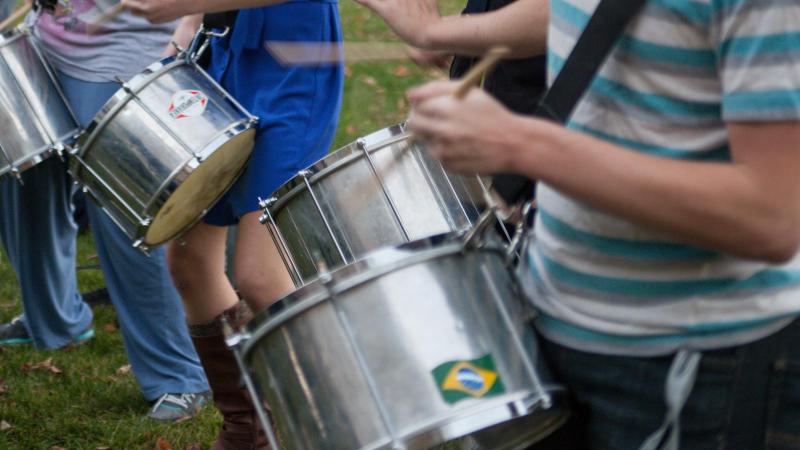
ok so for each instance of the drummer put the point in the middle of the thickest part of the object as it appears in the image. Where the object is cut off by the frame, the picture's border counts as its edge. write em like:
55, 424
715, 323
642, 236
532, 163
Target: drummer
39, 234
669, 220
297, 110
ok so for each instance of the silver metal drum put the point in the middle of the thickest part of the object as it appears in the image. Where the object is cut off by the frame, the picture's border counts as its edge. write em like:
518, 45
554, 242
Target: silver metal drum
407, 348
379, 191
35, 119
163, 149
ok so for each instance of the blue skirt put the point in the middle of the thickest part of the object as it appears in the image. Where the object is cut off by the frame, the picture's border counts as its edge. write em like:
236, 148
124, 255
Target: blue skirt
297, 106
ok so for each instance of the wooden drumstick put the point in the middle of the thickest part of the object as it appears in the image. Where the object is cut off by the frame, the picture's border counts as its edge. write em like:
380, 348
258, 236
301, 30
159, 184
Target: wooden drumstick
474, 76
15, 16
107, 15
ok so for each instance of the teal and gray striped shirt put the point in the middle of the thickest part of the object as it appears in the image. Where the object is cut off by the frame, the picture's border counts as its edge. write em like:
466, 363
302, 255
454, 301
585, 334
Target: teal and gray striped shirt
680, 72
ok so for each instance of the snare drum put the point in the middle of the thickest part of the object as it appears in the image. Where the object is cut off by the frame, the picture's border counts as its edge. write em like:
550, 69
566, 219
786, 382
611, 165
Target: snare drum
407, 348
35, 119
163, 149
380, 191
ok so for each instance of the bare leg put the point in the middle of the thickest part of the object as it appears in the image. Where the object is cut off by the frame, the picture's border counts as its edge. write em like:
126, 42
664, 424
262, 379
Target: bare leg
198, 270
260, 273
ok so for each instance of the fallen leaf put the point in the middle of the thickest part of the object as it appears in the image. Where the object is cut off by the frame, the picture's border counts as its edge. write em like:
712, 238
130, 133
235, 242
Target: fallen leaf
348, 71
103, 448
368, 80
3, 386
124, 369
163, 444
110, 327
193, 446
5, 426
402, 104
351, 129
401, 71
183, 419
47, 365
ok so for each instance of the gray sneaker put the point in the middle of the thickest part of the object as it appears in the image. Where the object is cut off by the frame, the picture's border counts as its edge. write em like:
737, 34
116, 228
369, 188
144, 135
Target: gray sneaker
172, 407
14, 333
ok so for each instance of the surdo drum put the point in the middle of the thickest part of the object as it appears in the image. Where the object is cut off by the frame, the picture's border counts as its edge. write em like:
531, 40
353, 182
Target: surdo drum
407, 348
163, 149
35, 120
381, 190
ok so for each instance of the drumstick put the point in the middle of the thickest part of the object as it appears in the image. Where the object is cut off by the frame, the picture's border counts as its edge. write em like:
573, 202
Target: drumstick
94, 26
474, 76
313, 53
476, 73
17, 15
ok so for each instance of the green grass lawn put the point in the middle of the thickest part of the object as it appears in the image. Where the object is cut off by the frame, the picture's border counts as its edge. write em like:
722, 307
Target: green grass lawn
93, 402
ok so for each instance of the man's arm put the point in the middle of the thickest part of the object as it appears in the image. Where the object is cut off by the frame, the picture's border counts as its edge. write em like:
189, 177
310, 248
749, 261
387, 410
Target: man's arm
521, 26
160, 11
749, 207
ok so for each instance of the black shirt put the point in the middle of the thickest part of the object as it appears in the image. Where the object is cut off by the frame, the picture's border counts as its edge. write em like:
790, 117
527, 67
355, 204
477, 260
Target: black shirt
516, 83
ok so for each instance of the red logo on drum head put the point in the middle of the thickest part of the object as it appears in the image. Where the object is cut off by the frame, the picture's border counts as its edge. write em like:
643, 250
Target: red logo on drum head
187, 104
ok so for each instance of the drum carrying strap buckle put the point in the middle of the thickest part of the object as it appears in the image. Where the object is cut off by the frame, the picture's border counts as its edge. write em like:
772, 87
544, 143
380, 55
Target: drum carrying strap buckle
200, 43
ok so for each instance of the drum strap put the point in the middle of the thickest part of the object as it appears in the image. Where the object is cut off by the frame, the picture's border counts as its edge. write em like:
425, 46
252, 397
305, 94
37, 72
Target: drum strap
679, 384
220, 20
604, 29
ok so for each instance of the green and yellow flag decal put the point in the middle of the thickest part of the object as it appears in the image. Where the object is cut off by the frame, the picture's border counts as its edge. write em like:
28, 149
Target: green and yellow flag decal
476, 378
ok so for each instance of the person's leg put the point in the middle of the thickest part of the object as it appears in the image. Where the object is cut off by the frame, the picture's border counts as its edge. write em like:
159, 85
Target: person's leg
198, 268
744, 397
38, 233
148, 307
260, 274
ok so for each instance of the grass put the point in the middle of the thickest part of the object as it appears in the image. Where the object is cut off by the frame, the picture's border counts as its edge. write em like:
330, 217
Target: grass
91, 405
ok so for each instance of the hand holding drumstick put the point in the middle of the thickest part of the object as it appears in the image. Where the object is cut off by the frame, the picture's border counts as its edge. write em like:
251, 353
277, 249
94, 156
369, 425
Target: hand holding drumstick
463, 127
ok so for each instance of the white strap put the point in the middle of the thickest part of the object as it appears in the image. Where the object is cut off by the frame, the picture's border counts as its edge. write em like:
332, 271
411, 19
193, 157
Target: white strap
679, 384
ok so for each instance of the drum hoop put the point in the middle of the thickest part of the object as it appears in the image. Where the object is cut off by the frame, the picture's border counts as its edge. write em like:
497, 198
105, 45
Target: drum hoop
372, 266
336, 159
152, 208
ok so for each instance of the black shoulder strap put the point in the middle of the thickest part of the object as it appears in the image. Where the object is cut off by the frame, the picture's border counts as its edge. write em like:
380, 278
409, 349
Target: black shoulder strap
220, 20
604, 29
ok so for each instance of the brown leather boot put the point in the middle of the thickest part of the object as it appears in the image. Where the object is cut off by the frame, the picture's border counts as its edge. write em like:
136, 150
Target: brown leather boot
240, 428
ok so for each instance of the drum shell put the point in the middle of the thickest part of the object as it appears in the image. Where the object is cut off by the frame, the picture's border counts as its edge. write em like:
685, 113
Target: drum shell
135, 154
34, 115
348, 204
393, 320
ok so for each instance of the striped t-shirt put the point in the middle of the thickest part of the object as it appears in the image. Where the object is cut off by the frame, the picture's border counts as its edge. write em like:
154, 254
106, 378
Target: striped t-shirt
680, 72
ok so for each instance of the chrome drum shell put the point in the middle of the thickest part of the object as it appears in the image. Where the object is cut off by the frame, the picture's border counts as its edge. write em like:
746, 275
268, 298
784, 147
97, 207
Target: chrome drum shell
35, 119
348, 361
169, 127
382, 190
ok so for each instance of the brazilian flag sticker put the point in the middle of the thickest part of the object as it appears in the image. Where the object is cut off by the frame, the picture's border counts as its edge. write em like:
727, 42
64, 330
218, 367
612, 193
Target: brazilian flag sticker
477, 378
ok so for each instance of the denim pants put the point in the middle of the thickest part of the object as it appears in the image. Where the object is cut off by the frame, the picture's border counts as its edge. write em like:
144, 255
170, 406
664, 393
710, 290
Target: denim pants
38, 232
745, 397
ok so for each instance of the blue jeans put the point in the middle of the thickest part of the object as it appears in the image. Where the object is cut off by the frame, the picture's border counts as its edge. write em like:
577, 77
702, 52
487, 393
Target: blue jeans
745, 397
38, 232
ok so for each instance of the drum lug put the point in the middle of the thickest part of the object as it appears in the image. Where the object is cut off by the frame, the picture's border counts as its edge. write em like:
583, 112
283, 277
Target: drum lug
125, 86
59, 149
304, 173
146, 222
15, 172
265, 205
141, 246
361, 143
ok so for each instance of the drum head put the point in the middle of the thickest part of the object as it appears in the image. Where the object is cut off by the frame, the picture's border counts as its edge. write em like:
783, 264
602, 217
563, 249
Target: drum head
201, 189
